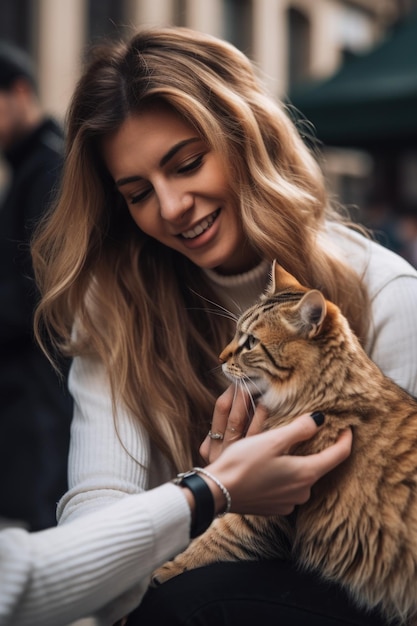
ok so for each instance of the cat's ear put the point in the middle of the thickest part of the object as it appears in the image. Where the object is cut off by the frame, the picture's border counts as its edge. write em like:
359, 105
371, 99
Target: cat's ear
281, 279
312, 309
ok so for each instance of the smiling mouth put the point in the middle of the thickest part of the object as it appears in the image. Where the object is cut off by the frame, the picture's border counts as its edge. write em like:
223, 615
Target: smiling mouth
201, 227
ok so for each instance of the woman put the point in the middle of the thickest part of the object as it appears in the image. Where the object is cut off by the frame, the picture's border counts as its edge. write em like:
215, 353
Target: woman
183, 181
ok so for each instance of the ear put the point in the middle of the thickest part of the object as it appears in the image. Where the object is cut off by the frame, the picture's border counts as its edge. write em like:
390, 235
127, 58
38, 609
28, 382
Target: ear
312, 309
281, 279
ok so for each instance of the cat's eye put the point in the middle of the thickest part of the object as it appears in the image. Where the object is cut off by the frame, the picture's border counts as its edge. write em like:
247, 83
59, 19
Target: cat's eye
250, 342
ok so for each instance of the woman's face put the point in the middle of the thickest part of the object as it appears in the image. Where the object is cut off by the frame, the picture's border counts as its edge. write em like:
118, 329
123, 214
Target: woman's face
177, 189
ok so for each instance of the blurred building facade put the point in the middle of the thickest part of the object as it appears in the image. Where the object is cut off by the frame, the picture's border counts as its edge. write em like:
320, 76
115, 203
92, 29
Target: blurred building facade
291, 41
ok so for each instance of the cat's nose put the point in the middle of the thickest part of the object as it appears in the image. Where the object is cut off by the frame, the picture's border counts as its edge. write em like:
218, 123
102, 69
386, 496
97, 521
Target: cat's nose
223, 356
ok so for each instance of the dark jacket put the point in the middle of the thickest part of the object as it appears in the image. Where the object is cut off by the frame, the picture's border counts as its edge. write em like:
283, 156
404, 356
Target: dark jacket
35, 408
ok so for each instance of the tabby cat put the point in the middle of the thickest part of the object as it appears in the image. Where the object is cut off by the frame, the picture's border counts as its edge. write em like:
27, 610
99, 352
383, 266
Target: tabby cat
296, 350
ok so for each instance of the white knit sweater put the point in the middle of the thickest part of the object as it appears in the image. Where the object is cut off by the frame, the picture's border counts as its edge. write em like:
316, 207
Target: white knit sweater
92, 561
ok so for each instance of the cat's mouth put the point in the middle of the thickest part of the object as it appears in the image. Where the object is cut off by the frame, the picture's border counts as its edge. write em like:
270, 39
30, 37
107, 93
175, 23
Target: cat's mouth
201, 227
254, 386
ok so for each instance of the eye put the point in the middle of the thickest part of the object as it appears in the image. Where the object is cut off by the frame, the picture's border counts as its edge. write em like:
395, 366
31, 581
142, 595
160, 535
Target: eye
192, 165
250, 342
140, 196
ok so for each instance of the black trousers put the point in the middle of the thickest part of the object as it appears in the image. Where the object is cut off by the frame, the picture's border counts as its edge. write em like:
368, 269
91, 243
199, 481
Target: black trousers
250, 594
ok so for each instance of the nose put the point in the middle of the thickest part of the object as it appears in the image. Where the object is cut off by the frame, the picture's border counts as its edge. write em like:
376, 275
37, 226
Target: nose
174, 202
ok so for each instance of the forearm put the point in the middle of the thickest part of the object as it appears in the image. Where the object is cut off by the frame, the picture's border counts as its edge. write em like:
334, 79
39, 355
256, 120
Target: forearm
62, 574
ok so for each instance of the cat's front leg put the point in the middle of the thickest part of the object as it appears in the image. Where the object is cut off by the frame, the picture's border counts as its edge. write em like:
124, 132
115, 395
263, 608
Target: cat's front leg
223, 541
231, 538
194, 556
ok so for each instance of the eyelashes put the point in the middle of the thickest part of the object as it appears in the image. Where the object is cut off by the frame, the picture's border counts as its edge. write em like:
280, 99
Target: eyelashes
191, 166
139, 197
188, 167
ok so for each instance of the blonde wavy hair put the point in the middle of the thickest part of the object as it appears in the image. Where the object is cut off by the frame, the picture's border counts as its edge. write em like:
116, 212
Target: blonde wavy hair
142, 309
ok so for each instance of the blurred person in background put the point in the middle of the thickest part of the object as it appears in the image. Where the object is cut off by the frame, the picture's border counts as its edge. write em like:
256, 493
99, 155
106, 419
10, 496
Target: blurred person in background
35, 407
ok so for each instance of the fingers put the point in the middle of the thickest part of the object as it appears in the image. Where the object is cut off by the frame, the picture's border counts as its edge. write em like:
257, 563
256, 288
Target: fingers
303, 428
300, 429
264, 477
231, 417
257, 424
223, 408
328, 459
239, 416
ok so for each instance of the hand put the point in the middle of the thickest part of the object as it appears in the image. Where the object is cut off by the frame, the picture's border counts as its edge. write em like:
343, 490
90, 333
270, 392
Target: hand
233, 418
264, 479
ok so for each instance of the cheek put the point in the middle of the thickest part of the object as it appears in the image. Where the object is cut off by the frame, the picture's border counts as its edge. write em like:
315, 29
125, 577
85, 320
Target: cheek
215, 179
135, 218
144, 220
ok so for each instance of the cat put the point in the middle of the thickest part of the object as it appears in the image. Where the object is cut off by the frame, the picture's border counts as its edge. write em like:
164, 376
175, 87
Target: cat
296, 350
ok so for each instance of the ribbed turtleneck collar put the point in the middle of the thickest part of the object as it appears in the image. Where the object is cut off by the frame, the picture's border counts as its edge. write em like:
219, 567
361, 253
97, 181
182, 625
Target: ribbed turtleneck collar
240, 291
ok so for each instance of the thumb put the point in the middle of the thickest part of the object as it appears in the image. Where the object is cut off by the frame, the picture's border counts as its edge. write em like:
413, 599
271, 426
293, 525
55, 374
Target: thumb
300, 429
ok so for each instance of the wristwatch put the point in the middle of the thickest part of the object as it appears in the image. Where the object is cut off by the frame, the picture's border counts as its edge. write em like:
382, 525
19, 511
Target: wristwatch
203, 498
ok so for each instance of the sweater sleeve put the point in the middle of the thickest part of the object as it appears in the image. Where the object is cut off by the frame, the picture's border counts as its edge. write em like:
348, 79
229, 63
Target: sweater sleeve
109, 454
110, 458
53, 577
393, 337
392, 287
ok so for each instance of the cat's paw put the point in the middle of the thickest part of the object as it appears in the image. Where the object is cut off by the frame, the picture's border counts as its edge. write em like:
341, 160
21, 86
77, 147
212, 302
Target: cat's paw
165, 572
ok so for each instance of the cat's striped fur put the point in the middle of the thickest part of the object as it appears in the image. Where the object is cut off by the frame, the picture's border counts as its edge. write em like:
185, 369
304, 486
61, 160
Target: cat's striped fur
359, 528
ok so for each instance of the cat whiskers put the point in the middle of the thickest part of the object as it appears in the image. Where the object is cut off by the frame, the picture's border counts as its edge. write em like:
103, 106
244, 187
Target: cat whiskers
243, 385
219, 310
215, 369
246, 386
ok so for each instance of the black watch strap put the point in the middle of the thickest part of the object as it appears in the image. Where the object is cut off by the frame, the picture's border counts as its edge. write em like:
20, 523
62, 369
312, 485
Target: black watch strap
204, 501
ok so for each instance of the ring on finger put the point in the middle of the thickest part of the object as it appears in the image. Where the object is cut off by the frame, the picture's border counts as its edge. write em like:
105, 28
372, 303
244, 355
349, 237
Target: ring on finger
218, 436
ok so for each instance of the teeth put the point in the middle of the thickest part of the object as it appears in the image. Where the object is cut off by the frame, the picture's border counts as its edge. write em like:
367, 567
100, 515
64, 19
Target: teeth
201, 227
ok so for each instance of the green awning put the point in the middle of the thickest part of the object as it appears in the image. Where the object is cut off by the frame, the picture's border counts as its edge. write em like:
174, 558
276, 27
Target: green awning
372, 100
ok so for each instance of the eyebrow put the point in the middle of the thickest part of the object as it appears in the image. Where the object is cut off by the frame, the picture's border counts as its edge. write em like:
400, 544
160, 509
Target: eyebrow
165, 159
